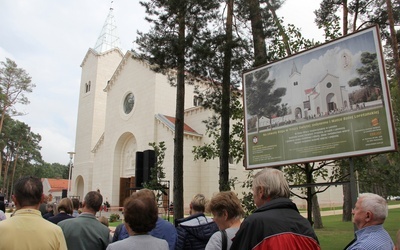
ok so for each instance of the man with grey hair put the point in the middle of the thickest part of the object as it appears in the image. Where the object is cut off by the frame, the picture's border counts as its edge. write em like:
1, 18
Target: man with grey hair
276, 223
85, 231
369, 214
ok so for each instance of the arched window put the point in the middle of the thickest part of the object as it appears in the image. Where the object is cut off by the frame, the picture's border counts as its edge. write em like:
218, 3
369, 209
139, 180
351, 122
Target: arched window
197, 101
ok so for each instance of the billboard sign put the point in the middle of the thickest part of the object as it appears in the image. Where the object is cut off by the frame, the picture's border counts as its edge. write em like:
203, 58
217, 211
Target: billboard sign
328, 102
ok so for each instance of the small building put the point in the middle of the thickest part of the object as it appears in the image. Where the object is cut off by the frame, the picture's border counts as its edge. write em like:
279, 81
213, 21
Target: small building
54, 188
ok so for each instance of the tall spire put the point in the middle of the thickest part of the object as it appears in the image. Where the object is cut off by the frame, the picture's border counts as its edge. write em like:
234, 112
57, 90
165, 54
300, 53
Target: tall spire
108, 38
294, 69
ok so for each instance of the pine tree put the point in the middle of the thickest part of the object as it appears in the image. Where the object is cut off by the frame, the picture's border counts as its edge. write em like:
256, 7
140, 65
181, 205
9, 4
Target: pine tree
169, 46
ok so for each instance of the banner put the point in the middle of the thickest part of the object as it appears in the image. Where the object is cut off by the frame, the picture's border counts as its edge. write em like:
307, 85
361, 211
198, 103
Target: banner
328, 102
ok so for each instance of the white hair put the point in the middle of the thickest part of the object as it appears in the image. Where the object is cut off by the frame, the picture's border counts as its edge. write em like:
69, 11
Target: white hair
273, 182
374, 203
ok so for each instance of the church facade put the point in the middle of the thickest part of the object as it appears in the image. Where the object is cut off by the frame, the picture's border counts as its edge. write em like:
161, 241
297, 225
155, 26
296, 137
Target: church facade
124, 106
326, 96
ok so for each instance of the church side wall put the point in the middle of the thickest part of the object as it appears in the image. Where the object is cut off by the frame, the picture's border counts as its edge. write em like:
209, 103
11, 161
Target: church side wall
209, 170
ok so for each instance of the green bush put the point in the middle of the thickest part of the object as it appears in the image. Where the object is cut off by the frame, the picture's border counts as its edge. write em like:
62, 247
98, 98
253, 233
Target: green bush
114, 217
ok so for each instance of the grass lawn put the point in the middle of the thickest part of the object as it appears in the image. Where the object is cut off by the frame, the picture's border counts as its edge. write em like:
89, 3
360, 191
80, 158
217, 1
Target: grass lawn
115, 223
337, 234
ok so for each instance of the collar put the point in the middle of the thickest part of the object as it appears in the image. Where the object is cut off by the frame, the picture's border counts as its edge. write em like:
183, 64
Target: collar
26, 211
88, 215
368, 229
193, 216
277, 203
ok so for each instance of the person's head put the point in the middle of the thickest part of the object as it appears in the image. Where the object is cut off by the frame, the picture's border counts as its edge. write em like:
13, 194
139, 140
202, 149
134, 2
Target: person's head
198, 204
397, 243
269, 184
45, 199
103, 220
370, 209
147, 192
75, 203
50, 207
28, 192
226, 209
140, 213
92, 202
65, 205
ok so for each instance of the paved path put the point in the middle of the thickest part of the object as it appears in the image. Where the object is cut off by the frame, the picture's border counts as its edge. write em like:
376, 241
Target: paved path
340, 211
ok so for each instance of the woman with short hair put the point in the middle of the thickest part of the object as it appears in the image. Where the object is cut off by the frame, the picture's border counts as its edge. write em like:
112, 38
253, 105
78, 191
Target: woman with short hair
140, 215
228, 212
64, 209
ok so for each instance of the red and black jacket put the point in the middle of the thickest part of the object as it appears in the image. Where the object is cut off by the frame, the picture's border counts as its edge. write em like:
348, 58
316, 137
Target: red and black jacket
276, 225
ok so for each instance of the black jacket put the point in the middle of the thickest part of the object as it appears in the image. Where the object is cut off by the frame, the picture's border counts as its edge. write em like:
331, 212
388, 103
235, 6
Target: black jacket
276, 225
59, 217
48, 215
194, 237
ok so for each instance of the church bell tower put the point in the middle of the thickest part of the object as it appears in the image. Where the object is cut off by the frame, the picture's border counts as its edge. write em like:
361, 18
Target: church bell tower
98, 66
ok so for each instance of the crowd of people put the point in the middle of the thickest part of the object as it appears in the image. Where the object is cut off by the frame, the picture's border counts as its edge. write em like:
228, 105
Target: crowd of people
275, 224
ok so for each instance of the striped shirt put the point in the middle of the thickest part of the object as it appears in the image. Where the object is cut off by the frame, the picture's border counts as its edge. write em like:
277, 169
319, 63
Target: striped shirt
372, 238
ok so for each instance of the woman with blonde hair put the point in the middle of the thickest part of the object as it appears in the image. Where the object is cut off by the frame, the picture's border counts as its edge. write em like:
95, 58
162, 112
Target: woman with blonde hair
65, 209
228, 212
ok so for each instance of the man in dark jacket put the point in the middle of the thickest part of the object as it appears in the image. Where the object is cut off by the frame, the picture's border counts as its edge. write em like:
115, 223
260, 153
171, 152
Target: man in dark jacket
276, 223
195, 230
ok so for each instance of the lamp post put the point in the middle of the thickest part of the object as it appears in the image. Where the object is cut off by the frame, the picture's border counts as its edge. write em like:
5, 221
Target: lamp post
71, 156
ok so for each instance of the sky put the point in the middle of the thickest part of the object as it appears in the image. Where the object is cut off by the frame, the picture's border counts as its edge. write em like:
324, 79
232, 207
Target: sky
314, 64
49, 39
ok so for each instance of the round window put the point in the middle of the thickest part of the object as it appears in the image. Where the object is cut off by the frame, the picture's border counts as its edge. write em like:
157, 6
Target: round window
128, 103
328, 85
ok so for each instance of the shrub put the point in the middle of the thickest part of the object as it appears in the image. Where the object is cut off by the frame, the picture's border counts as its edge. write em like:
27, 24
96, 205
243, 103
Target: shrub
114, 217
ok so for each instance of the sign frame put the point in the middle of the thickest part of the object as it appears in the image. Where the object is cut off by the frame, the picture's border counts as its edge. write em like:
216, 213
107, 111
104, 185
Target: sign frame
319, 105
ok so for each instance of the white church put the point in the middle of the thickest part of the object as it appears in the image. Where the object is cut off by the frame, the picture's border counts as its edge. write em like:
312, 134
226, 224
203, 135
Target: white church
325, 97
124, 106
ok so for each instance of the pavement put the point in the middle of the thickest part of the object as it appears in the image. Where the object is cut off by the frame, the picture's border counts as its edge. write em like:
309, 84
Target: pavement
340, 211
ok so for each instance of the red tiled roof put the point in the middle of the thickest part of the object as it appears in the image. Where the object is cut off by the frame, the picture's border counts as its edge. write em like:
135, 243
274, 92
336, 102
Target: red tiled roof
185, 127
58, 184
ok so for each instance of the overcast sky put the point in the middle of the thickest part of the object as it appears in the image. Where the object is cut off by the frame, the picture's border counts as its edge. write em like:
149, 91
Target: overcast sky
49, 39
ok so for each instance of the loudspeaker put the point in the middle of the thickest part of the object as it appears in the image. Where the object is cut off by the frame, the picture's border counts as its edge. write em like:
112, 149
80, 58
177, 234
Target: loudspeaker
149, 161
139, 169
64, 193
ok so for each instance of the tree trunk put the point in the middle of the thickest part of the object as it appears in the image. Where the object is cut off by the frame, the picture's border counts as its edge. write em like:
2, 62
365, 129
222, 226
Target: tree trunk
345, 18
357, 4
393, 37
225, 108
6, 172
316, 211
278, 24
260, 51
13, 176
179, 119
309, 180
347, 206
